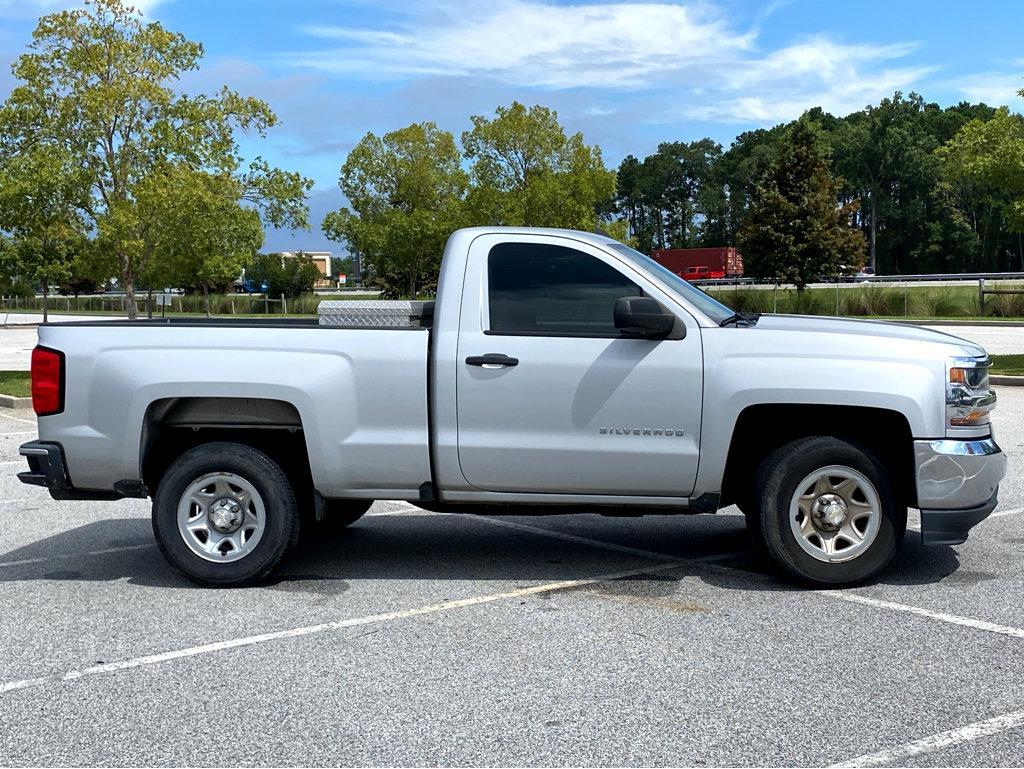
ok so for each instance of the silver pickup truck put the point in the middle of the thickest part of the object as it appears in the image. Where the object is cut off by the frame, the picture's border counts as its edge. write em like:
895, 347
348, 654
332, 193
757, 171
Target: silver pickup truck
557, 371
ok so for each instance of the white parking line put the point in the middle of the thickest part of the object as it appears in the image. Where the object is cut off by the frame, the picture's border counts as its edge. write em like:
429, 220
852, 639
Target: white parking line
234, 643
107, 551
1001, 513
9, 501
938, 741
574, 538
952, 619
16, 419
578, 540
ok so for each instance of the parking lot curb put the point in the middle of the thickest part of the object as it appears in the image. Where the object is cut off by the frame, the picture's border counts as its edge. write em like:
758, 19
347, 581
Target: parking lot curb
1007, 380
10, 402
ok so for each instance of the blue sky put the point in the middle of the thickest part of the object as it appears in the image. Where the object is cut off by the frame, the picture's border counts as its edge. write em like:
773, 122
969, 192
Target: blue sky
628, 75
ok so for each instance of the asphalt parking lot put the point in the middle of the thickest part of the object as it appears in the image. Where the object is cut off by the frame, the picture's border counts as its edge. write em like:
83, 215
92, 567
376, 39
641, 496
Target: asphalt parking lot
426, 639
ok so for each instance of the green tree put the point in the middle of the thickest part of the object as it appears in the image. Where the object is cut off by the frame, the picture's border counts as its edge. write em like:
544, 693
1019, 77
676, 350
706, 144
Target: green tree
406, 193
288, 275
795, 230
674, 198
985, 160
689, 172
202, 234
39, 194
885, 155
527, 172
97, 85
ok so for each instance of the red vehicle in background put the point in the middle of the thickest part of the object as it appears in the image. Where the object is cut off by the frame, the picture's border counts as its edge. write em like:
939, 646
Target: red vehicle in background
701, 263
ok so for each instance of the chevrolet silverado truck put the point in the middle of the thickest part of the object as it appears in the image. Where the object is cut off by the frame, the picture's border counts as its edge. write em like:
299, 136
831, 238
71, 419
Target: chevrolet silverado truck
557, 372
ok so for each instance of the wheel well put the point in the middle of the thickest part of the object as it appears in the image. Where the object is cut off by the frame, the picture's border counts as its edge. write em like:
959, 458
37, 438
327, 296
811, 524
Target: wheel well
762, 429
175, 425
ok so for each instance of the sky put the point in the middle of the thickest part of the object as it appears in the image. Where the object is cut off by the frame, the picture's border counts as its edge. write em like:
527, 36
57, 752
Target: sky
627, 74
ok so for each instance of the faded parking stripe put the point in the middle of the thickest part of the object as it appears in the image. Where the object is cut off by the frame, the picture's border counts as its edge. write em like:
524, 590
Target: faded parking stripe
107, 551
952, 619
155, 659
938, 741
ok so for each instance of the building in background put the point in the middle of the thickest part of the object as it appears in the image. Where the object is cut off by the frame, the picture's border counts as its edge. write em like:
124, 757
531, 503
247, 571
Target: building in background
322, 260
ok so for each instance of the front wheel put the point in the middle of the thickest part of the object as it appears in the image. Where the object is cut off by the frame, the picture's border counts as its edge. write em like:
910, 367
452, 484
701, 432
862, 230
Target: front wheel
225, 515
829, 513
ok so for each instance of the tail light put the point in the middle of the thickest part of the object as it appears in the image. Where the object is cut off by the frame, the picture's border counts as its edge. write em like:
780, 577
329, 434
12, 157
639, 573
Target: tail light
47, 381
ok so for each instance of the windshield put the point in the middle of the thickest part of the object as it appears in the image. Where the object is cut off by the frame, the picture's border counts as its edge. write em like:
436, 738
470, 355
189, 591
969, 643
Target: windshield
714, 309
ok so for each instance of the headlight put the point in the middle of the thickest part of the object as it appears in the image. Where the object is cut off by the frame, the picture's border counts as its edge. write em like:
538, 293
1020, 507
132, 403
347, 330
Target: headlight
969, 400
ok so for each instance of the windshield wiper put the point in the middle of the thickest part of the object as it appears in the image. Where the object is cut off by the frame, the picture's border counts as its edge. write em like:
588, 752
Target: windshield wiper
741, 319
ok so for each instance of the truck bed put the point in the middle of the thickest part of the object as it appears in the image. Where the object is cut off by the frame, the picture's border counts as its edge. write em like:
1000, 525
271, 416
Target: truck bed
360, 393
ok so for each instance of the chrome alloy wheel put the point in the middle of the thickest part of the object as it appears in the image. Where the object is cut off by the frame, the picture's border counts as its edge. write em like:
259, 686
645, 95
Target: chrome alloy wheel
835, 514
221, 517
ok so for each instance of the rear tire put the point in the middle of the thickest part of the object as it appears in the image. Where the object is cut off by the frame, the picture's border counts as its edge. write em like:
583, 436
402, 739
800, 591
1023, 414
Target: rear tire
829, 513
225, 515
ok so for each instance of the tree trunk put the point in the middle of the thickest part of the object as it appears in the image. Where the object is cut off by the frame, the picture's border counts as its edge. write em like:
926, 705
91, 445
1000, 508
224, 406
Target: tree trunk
149, 303
128, 281
874, 232
412, 284
46, 296
206, 299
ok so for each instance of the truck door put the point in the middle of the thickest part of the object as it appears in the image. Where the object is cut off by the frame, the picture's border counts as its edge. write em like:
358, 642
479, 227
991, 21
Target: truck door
550, 397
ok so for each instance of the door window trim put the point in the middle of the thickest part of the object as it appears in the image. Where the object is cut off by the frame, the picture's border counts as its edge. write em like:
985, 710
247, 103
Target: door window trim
614, 265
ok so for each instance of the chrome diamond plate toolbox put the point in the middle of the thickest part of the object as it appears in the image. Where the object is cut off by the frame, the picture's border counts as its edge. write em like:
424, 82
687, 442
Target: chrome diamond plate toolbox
376, 312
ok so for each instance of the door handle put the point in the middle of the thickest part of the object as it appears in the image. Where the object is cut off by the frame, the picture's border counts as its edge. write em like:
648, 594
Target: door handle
492, 360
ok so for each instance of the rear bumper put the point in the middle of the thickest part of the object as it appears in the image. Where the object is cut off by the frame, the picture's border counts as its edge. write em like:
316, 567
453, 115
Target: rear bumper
46, 468
957, 486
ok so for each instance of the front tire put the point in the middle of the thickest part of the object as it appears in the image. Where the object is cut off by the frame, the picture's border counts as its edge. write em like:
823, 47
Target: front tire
829, 512
225, 515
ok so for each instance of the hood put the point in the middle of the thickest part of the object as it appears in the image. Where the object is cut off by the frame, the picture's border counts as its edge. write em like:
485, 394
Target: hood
878, 328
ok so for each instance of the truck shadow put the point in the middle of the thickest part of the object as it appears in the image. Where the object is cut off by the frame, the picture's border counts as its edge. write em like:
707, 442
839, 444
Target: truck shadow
914, 564
456, 547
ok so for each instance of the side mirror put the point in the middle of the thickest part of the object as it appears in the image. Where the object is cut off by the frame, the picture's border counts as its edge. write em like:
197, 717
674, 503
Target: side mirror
643, 317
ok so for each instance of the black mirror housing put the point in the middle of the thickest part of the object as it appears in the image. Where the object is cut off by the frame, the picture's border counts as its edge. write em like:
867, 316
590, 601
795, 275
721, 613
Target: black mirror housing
643, 317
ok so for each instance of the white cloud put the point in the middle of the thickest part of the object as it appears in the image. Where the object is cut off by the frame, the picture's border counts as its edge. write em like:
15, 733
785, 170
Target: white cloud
818, 72
994, 88
818, 59
532, 43
712, 68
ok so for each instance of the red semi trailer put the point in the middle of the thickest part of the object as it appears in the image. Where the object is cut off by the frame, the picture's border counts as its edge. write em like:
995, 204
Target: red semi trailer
701, 263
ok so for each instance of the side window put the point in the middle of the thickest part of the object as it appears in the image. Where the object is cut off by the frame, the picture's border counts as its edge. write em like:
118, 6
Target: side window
534, 288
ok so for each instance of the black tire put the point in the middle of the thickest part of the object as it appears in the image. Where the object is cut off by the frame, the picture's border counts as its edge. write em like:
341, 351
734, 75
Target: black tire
342, 513
752, 518
776, 483
280, 530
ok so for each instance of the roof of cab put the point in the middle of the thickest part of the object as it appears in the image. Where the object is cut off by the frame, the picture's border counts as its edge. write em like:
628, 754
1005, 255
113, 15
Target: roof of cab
593, 237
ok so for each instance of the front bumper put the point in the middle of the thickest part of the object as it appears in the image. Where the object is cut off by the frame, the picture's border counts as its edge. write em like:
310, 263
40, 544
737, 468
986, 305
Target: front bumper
957, 486
46, 468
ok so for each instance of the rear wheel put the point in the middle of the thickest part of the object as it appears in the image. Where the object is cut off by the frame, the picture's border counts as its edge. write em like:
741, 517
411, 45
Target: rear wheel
829, 514
224, 514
